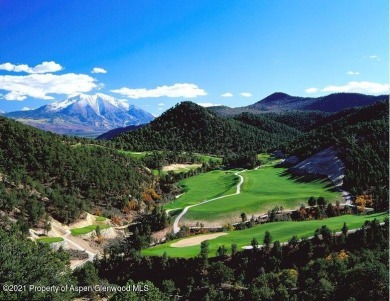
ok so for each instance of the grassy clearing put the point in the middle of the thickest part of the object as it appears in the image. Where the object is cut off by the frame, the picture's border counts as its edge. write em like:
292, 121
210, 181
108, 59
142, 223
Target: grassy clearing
205, 186
50, 239
201, 157
100, 218
267, 159
207, 158
262, 190
281, 231
85, 230
137, 155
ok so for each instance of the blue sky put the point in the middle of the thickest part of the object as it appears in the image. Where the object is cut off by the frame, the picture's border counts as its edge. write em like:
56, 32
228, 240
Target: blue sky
158, 53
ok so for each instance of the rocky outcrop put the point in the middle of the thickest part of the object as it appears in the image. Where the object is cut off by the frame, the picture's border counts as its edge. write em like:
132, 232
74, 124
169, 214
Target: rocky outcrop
325, 163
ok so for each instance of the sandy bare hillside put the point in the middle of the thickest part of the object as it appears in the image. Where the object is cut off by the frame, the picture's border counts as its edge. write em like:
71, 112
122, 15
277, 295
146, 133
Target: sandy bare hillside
194, 241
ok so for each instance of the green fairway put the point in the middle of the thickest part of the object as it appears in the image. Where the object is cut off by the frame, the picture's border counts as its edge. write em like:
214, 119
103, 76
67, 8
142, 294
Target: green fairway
200, 157
281, 231
100, 218
207, 158
205, 186
50, 239
85, 230
267, 159
262, 190
137, 155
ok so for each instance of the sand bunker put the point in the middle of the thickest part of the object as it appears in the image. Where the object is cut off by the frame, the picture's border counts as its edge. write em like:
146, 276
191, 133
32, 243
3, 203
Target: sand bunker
180, 166
194, 241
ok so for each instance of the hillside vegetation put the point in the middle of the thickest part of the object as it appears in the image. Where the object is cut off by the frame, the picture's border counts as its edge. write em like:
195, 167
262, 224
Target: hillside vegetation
361, 138
190, 127
42, 172
282, 103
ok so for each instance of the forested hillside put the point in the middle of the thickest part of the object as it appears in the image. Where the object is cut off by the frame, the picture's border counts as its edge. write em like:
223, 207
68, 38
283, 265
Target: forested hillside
282, 103
336, 102
361, 137
43, 172
190, 127
300, 120
282, 132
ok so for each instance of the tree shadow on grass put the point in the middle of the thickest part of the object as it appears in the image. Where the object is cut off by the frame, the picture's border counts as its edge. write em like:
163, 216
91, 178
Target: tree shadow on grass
174, 213
309, 178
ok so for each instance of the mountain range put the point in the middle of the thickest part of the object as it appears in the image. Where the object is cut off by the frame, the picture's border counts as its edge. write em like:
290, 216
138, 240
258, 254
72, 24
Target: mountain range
94, 115
281, 102
84, 115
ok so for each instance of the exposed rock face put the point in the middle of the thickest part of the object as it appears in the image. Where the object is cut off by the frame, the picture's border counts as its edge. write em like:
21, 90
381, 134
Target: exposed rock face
325, 163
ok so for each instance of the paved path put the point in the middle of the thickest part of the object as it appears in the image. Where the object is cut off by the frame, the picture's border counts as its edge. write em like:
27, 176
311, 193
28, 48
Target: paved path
176, 227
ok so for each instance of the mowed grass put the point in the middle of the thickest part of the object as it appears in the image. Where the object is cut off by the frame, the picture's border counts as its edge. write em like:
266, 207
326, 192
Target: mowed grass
262, 190
87, 229
207, 158
205, 186
200, 157
100, 218
281, 231
137, 155
50, 239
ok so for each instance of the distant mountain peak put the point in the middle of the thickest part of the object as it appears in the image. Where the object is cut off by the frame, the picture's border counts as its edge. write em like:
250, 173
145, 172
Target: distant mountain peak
90, 113
275, 96
95, 101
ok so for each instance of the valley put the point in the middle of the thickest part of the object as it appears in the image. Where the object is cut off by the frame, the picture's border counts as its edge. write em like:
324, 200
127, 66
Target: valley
196, 191
194, 150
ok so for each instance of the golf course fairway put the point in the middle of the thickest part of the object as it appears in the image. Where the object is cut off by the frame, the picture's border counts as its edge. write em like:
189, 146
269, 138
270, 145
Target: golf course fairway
281, 231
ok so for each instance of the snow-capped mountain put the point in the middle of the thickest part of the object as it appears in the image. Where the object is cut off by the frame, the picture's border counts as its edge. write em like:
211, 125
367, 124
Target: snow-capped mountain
84, 114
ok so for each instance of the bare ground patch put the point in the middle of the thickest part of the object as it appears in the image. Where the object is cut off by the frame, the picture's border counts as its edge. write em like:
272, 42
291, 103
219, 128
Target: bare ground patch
180, 166
194, 241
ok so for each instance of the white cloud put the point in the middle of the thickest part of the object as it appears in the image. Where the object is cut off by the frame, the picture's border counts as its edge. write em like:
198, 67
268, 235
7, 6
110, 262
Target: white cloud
160, 109
355, 87
161, 104
177, 90
360, 87
227, 94
246, 94
208, 104
44, 67
26, 109
374, 57
40, 85
98, 70
311, 90
352, 73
